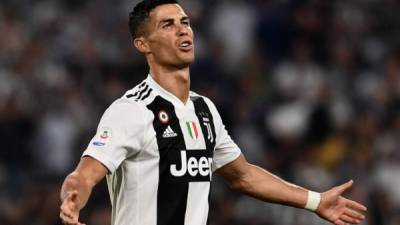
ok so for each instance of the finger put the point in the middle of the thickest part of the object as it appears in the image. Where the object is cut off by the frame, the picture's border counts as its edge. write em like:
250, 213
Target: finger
66, 210
63, 217
349, 219
67, 220
355, 205
354, 214
344, 186
70, 217
69, 208
70, 203
339, 222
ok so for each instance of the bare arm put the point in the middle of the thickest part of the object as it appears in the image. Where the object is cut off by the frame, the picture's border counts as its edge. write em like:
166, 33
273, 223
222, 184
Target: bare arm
77, 188
261, 184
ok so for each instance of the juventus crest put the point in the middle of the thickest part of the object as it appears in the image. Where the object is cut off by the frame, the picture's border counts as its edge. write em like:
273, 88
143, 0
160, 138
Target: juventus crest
206, 122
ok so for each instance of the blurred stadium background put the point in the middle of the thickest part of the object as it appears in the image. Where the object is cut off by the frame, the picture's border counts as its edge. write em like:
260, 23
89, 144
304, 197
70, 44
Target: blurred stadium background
310, 90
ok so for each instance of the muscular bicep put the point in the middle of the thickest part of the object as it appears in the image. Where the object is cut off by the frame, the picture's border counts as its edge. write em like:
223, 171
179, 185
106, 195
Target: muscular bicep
234, 171
91, 170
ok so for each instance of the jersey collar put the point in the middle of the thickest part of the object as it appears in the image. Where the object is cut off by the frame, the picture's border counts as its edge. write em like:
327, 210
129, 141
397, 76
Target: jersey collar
164, 93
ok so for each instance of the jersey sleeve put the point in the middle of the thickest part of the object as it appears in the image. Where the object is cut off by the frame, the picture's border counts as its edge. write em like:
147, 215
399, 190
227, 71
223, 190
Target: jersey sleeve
226, 150
119, 135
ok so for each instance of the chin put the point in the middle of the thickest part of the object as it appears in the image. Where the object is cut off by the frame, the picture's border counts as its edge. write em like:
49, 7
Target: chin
187, 61
181, 61
190, 61
191, 57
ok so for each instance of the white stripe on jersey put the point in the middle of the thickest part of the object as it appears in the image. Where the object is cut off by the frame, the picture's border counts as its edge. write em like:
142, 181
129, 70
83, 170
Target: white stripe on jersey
197, 205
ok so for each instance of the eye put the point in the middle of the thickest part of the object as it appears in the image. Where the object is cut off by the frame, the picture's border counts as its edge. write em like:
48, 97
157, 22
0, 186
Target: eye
166, 25
186, 23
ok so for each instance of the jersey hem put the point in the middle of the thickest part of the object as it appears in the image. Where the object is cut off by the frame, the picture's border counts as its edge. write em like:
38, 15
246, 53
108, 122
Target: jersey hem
228, 160
101, 158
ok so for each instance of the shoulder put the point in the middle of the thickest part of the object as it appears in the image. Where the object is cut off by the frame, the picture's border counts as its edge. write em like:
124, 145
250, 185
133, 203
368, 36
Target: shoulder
124, 117
141, 95
123, 110
131, 105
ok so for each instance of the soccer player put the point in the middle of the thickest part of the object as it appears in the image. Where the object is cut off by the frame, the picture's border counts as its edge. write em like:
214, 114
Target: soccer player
159, 144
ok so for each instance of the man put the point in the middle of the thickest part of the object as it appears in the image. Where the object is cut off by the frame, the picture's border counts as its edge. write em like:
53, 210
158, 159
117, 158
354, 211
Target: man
159, 144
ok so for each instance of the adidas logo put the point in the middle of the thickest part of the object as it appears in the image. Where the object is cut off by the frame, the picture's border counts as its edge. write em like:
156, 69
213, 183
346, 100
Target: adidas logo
169, 133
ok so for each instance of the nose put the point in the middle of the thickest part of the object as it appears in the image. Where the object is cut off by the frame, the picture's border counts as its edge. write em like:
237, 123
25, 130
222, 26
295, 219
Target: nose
182, 30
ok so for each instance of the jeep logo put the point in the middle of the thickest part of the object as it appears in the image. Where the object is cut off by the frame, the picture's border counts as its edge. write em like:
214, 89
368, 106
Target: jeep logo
193, 166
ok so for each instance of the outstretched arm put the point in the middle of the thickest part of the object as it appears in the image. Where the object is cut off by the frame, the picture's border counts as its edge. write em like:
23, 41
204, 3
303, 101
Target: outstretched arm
77, 188
263, 185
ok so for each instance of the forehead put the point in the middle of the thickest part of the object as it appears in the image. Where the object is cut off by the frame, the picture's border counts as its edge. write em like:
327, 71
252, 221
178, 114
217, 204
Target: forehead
167, 11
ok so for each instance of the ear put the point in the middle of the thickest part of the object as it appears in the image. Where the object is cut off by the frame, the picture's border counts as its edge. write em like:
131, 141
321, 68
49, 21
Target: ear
141, 45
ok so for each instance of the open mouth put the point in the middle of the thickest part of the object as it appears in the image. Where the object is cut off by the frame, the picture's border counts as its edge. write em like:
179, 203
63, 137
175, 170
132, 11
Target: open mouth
186, 45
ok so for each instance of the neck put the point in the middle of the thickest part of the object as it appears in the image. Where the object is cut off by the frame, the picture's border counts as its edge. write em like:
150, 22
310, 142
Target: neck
175, 81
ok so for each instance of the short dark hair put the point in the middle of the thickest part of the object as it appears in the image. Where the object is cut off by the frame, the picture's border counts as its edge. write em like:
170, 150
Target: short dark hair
141, 12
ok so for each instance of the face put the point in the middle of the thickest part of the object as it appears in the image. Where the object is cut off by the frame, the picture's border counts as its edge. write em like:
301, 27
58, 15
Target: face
169, 37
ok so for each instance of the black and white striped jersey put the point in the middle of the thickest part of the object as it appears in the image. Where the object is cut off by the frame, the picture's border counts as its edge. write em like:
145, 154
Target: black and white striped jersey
161, 154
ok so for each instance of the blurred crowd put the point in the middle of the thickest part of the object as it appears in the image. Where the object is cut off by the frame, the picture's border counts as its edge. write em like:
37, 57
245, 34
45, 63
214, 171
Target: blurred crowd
309, 89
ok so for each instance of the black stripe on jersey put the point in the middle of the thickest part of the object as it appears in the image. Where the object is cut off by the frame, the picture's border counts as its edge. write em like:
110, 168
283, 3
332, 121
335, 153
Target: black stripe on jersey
140, 89
206, 121
137, 92
142, 84
204, 116
147, 94
172, 192
142, 92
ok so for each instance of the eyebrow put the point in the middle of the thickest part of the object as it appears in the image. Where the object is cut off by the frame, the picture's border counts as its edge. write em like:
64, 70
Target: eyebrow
170, 20
166, 21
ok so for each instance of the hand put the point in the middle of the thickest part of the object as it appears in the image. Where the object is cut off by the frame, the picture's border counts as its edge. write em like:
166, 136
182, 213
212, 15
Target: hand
69, 210
339, 210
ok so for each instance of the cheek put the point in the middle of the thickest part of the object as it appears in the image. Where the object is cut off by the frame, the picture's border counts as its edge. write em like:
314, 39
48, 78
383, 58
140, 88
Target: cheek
164, 50
162, 44
191, 33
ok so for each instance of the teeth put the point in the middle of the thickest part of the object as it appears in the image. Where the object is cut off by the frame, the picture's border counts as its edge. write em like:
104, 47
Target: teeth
185, 44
